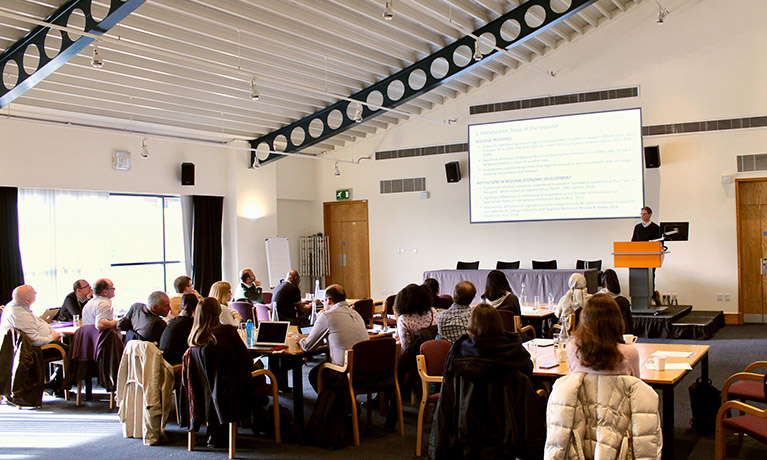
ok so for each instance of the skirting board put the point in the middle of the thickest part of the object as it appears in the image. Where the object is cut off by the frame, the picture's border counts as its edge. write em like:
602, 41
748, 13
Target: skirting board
733, 318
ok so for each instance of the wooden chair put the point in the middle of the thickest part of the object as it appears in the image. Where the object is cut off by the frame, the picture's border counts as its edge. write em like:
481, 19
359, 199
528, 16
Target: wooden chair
63, 360
500, 265
365, 308
573, 322
745, 388
85, 346
513, 323
544, 265
233, 425
369, 361
751, 421
467, 265
263, 312
431, 366
245, 309
388, 310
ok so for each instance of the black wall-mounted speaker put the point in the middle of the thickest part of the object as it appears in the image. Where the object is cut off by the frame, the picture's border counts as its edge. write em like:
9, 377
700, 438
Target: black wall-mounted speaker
187, 173
652, 157
453, 171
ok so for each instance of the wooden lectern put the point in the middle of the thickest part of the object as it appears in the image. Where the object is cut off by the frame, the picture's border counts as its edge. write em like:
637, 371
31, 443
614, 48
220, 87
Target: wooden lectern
641, 258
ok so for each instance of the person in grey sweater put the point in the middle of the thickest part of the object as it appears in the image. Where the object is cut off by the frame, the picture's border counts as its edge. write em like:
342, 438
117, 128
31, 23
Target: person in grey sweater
340, 324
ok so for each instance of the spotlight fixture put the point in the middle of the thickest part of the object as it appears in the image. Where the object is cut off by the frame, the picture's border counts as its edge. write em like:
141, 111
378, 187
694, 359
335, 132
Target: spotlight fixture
388, 13
144, 149
337, 171
253, 90
358, 114
97, 61
477, 52
662, 13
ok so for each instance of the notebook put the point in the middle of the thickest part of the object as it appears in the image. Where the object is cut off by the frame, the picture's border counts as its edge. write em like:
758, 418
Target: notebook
271, 334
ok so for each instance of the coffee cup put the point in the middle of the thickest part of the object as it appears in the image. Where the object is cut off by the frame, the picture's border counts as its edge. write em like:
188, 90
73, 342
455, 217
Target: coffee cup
629, 338
660, 362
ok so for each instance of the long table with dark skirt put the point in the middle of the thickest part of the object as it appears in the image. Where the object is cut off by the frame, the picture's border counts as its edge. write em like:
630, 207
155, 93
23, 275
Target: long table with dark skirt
537, 282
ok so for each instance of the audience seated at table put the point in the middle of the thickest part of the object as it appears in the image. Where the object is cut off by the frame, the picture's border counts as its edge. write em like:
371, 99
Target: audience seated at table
574, 298
182, 285
454, 322
414, 312
440, 303
498, 293
287, 298
175, 338
612, 287
230, 382
75, 301
249, 288
145, 322
597, 345
222, 291
98, 311
487, 406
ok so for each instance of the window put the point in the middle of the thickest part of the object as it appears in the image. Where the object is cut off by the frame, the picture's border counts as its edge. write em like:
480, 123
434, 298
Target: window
134, 240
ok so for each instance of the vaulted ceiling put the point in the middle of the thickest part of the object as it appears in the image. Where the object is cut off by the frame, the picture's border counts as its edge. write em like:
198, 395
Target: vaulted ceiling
186, 67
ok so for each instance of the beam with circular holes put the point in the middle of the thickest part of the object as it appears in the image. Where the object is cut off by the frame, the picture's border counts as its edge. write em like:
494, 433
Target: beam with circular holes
26, 63
508, 31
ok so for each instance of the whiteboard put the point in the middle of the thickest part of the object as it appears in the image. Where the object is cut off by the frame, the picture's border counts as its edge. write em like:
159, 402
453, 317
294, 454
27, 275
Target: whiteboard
277, 260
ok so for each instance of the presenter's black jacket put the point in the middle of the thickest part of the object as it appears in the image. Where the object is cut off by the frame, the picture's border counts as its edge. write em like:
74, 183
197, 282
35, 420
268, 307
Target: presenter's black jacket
71, 306
487, 406
642, 233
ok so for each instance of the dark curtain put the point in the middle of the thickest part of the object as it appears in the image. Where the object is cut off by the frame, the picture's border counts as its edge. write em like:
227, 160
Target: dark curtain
207, 213
11, 273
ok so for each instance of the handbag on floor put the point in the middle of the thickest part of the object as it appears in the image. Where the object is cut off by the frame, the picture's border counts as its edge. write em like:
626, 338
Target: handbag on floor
705, 400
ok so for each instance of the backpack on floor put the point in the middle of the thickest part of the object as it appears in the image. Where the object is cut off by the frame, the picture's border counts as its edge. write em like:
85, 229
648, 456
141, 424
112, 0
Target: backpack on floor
705, 400
329, 425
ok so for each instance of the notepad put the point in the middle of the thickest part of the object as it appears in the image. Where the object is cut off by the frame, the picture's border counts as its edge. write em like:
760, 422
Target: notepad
674, 354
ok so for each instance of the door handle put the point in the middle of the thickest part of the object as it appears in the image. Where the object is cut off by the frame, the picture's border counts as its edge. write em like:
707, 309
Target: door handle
764, 266
344, 254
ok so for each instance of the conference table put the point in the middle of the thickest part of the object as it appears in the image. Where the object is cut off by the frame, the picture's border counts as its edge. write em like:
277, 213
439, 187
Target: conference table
665, 380
537, 282
292, 358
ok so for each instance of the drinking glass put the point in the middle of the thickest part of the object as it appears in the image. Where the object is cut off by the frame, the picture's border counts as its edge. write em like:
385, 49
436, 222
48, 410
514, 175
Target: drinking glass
537, 302
533, 349
556, 340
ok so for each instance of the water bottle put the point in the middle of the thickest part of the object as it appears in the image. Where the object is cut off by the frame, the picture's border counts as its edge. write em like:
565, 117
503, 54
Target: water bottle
317, 288
523, 295
249, 332
551, 300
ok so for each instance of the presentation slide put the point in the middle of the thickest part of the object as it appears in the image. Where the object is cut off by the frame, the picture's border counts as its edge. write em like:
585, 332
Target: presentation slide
585, 166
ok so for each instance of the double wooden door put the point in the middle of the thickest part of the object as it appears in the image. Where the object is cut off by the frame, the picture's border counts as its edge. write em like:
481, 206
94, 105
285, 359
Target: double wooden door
346, 226
752, 249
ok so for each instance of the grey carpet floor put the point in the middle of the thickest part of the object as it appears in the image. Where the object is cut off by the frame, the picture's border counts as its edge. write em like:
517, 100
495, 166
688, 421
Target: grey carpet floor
62, 431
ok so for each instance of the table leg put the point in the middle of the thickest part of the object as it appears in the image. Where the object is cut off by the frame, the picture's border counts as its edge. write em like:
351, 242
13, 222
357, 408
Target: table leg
704, 368
667, 393
297, 365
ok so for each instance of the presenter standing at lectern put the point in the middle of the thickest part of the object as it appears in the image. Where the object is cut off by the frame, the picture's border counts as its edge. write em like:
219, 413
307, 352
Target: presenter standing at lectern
647, 230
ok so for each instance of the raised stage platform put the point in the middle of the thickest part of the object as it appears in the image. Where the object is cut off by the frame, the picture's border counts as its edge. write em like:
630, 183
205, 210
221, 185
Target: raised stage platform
676, 322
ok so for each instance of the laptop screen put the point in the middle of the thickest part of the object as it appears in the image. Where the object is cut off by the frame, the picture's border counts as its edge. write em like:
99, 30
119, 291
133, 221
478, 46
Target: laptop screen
272, 333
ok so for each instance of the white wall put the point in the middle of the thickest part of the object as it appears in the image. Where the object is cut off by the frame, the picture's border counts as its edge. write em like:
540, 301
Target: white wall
686, 72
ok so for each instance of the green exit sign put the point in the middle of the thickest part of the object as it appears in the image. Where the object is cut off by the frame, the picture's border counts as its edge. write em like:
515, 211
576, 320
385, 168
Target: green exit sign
343, 194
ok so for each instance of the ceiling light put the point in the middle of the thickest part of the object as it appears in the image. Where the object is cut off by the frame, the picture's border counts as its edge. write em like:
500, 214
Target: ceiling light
96, 61
477, 52
253, 90
144, 149
388, 13
662, 13
337, 171
358, 114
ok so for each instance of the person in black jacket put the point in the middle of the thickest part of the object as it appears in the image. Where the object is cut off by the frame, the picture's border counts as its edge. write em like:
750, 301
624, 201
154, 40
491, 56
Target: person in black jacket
174, 339
647, 230
75, 300
488, 407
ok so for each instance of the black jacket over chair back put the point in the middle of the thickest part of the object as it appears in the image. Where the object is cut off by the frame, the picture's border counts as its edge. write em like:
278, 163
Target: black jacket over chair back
22, 376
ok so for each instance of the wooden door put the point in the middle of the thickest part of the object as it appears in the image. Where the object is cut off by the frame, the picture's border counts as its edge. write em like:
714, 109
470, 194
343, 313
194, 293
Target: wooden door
346, 225
752, 248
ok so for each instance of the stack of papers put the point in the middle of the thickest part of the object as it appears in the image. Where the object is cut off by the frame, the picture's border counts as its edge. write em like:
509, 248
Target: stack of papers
674, 354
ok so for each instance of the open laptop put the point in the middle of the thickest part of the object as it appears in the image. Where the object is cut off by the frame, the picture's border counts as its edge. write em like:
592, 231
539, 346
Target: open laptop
49, 314
271, 334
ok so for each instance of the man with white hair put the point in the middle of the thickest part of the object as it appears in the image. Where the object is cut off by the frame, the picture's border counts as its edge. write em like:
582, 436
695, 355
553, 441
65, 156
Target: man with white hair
145, 321
18, 314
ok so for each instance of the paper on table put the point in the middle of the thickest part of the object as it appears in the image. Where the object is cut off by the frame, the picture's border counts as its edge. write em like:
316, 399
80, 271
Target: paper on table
543, 342
674, 354
671, 366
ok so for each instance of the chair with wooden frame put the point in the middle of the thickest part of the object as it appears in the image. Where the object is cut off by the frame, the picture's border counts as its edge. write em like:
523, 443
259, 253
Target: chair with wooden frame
55, 359
751, 421
370, 367
431, 366
365, 308
572, 323
745, 388
513, 323
233, 425
86, 345
388, 310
